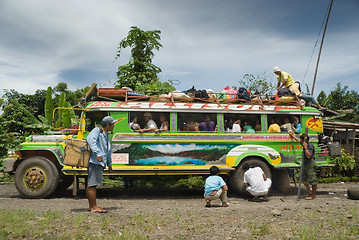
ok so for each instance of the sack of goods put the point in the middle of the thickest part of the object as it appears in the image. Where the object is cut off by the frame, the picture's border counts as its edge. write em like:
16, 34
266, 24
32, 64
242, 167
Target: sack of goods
77, 153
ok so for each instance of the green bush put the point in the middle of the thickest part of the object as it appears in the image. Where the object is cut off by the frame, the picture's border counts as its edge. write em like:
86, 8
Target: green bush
344, 165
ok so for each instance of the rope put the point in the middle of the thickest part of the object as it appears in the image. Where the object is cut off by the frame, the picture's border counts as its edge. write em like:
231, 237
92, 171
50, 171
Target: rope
315, 45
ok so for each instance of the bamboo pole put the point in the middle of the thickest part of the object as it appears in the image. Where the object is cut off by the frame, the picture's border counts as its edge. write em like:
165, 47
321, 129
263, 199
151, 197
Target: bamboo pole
321, 46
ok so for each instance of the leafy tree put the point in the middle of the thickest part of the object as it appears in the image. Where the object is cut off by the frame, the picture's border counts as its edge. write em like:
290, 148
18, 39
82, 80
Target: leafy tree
140, 74
257, 84
341, 98
322, 99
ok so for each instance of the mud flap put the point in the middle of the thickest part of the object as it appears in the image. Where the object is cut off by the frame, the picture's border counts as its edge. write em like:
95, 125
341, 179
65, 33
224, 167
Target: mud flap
281, 180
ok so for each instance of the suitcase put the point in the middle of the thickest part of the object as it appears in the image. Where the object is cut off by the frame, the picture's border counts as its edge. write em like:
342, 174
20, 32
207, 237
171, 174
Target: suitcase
77, 153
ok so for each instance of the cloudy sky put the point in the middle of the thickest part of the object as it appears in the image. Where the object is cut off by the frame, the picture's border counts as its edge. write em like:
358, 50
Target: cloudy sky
206, 43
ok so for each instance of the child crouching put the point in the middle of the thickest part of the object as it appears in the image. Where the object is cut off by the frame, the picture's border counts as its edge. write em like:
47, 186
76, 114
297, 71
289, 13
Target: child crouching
215, 188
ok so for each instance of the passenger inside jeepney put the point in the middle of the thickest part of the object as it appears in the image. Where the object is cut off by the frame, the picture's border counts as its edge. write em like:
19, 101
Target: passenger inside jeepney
296, 125
248, 128
133, 122
287, 126
151, 125
191, 126
207, 125
274, 127
164, 124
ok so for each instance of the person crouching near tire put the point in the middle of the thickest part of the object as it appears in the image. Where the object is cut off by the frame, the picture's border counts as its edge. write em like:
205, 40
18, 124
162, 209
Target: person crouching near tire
258, 185
215, 188
100, 145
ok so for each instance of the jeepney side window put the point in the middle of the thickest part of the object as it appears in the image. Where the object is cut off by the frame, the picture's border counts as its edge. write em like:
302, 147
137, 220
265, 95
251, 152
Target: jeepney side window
160, 118
249, 123
94, 119
285, 123
196, 122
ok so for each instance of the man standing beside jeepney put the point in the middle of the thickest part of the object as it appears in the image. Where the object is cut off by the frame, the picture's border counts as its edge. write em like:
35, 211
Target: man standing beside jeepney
100, 145
309, 175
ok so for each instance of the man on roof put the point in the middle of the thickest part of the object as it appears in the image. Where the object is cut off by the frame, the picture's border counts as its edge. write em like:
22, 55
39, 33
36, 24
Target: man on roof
284, 79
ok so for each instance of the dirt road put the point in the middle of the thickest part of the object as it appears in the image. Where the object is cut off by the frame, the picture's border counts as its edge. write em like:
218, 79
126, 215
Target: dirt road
180, 214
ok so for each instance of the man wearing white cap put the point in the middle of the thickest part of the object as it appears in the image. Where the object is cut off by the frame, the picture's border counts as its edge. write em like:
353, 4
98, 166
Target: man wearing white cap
100, 145
286, 80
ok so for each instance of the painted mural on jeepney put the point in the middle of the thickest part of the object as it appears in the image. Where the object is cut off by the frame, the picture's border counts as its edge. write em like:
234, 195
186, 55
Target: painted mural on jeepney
174, 154
274, 157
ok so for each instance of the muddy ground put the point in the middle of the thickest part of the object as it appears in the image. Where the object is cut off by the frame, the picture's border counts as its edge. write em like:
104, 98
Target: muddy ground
181, 214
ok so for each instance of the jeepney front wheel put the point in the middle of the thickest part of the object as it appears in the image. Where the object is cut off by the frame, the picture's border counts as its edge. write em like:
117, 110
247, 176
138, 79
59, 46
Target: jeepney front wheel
36, 177
237, 177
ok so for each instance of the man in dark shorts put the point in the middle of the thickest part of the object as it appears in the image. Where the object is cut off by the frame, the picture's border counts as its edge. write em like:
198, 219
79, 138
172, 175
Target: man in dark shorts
309, 176
100, 145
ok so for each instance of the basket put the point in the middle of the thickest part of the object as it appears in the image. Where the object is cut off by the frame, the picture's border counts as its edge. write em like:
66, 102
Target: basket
77, 153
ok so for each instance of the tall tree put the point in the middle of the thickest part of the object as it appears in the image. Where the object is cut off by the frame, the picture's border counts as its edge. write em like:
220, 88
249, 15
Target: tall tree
140, 70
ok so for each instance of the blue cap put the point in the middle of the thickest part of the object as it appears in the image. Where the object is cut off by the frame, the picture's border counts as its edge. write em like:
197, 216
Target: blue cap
109, 120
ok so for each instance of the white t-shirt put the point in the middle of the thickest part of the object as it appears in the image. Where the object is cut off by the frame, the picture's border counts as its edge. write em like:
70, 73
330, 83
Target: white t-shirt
287, 126
151, 124
257, 185
236, 128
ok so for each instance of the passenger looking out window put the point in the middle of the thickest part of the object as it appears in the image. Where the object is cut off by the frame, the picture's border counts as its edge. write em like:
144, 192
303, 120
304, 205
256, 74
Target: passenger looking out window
164, 124
133, 123
287, 126
296, 125
274, 127
151, 126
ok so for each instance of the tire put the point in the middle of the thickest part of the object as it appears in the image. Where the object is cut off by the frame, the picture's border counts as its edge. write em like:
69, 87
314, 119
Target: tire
353, 193
36, 177
64, 182
237, 177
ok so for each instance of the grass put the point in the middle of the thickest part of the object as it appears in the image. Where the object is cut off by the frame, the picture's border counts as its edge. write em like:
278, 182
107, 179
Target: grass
27, 224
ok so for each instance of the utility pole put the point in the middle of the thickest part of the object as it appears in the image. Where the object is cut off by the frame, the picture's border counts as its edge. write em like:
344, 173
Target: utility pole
321, 46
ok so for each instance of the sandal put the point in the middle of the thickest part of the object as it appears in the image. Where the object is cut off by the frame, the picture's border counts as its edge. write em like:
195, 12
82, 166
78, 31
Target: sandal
309, 198
98, 210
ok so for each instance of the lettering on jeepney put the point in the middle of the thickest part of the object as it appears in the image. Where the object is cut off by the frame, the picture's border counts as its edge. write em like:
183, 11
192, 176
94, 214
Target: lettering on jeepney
161, 105
239, 107
136, 105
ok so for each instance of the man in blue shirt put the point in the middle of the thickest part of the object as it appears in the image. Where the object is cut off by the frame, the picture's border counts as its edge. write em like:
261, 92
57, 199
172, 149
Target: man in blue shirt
100, 145
215, 188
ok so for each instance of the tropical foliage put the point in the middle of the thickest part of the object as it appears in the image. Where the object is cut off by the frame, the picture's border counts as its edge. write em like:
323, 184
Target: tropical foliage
257, 84
140, 74
342, 98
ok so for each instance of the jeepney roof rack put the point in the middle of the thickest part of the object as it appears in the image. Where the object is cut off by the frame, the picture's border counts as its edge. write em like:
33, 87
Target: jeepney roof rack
127, 95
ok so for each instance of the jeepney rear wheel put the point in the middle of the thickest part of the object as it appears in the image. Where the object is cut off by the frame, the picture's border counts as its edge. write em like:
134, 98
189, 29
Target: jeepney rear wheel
237, 177
36, 177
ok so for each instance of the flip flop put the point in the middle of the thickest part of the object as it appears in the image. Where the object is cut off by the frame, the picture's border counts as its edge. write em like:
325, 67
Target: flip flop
309, 198
99, 210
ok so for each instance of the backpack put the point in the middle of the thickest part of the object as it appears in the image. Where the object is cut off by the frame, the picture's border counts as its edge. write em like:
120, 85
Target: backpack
243, 94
